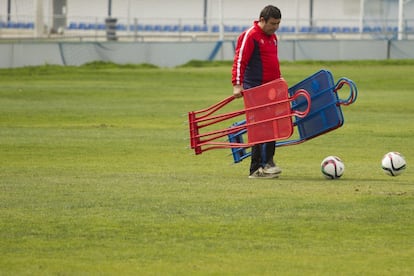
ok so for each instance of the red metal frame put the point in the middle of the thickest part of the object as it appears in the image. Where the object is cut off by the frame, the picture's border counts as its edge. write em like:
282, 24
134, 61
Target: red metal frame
268, 114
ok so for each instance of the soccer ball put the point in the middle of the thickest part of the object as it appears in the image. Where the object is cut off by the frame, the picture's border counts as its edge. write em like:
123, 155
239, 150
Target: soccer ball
393, 163
332, 167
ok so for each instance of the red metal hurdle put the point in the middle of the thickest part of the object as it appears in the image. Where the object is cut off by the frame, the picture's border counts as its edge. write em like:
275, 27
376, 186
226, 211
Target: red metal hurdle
268, 114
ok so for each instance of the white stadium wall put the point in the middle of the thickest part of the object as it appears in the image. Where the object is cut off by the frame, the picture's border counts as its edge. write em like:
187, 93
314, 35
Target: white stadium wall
294, 12
171, 54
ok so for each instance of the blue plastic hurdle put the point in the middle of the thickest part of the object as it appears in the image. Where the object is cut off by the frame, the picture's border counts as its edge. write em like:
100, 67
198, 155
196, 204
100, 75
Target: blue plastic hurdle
325, 113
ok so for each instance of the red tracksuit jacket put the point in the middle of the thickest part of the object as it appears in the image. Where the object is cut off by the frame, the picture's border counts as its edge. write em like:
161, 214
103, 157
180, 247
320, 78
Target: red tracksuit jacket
256, 61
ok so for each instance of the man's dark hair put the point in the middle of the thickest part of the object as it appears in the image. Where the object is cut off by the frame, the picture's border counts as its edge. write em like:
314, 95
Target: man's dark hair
270, 12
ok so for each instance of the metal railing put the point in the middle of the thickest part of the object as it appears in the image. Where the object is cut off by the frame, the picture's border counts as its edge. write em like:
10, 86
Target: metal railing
97, 28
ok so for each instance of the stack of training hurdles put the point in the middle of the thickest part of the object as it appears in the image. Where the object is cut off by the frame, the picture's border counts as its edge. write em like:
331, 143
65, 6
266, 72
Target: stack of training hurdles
268, 111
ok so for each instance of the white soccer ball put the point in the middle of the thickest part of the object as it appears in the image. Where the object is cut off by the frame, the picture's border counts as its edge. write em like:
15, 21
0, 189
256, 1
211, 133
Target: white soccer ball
393, 163
332, 167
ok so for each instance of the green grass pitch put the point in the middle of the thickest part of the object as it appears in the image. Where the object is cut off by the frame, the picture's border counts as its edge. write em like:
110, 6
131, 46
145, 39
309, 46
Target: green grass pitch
96, 177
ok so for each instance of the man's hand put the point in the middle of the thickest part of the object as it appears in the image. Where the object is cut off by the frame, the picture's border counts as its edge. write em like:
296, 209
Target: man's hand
237, 91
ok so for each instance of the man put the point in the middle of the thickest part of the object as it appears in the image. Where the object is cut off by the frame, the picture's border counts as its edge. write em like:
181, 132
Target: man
256, 62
